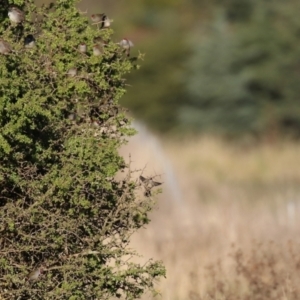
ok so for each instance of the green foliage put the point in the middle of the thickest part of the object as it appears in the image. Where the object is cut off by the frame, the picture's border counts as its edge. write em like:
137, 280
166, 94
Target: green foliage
61, 206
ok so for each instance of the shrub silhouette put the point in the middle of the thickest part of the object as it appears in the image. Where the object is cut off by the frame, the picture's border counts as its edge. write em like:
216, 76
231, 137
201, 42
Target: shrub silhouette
63, 213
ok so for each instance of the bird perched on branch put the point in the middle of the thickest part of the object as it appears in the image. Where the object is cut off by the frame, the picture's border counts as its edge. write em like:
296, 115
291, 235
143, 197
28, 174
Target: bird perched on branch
29, 41
35, 274
101, 19
148, 184
82, 48
5, 47
72, 72
97, 18
126, 45
99, 41
97, 50
16, 15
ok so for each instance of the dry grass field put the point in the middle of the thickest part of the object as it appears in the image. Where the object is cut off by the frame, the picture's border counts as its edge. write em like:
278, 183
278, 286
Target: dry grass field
227, 225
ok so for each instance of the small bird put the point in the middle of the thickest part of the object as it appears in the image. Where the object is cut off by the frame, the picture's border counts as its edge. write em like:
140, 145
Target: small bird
5, 47
72, 117
98, 18
82, 48
106, 22
97, 50
35, 274
16, 15
99, 40
95, 123
101, 19
126, 45
148, 184
29, 41
72, 72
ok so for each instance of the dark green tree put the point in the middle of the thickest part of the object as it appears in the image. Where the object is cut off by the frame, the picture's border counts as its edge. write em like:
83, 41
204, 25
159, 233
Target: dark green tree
217, 97
244, 75
160, 28
64, 214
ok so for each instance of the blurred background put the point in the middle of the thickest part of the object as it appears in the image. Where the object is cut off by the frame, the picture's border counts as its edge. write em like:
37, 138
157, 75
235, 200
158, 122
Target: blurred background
216, 104
225, 67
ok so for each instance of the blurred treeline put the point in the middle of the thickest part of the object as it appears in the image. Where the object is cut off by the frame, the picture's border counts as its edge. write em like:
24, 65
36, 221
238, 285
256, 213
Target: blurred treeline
223, 66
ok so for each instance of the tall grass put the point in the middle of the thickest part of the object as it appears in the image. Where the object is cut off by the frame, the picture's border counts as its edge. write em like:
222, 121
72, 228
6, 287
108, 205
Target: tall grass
236, 232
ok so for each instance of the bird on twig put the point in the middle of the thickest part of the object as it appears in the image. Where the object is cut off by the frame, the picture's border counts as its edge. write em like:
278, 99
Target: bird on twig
35, 274
5, 47
97, 50
148, 184
29, 41
126, 45
101, 19
72, 72
16, 15
82, 48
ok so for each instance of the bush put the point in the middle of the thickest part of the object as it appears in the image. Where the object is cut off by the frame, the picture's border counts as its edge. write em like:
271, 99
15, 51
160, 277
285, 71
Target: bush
62, 209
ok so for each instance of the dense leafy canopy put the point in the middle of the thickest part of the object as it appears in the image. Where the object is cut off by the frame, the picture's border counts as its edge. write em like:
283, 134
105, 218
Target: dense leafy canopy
62, 209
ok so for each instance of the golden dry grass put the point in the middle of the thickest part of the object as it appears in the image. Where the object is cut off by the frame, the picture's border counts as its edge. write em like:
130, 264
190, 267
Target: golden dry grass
233, 233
